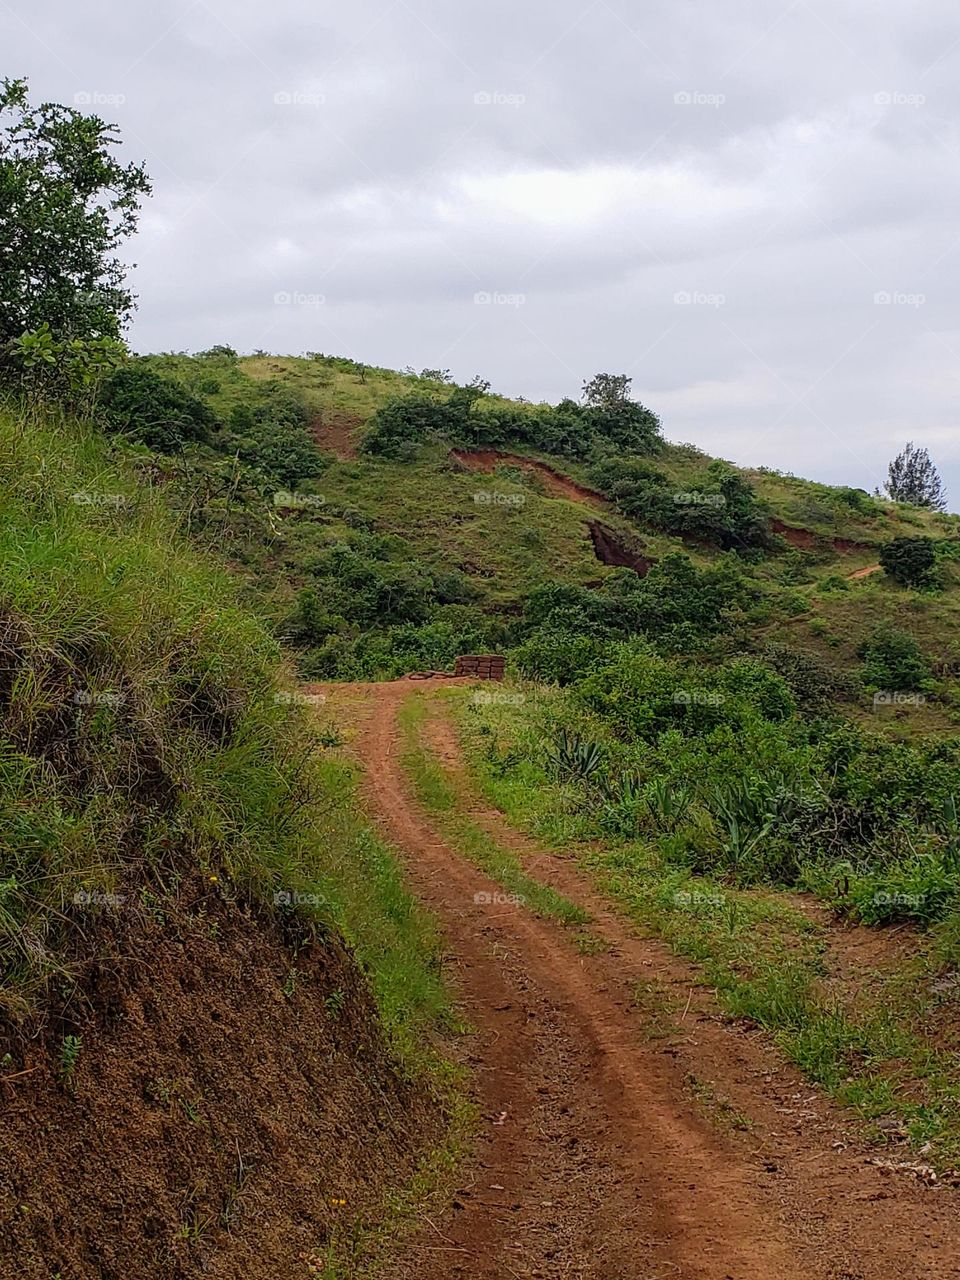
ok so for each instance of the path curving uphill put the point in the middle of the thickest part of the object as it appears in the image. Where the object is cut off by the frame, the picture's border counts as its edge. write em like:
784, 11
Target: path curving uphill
555, 482
595, 1161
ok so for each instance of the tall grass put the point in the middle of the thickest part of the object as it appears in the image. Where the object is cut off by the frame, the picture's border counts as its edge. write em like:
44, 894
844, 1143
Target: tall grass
146, 745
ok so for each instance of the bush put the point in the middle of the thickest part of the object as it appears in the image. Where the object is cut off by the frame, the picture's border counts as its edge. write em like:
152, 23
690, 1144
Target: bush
470, 417
760, 686
356, 587
283, 451
558, 656
923, 887
816, 686
406, 420
892, 659
910, 561
395, 651
153, 410
724, 510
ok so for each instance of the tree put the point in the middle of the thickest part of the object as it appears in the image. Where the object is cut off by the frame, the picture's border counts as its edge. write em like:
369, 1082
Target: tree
611, 415
910, 561
66, 204
607, 390
913, 478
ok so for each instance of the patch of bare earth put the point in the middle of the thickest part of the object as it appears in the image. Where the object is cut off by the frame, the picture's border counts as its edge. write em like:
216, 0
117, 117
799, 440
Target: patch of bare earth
232, 1107
611, 548
336, 432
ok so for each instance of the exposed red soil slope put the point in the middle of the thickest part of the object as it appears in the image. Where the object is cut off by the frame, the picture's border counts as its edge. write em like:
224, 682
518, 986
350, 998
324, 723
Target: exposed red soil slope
232, 1104
336, 432
610, 549
555, 483
806, 539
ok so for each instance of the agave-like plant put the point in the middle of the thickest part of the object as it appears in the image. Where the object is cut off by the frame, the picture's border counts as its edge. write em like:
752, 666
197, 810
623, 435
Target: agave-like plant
573, 756
667, 801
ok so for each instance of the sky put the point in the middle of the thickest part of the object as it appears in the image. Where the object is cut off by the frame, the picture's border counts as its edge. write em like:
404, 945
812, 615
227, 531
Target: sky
750, 208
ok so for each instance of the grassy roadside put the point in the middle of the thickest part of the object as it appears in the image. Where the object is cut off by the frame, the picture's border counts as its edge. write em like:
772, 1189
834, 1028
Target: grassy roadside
143, 708
365, 1249
868, 1045
153, 756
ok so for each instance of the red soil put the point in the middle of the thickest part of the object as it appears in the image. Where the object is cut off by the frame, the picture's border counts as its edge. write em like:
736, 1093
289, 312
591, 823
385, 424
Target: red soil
556, 484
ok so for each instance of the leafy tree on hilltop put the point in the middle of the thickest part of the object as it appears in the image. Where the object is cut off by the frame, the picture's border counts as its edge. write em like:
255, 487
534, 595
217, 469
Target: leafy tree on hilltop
611, 414
606, 390
912, 477
66, 204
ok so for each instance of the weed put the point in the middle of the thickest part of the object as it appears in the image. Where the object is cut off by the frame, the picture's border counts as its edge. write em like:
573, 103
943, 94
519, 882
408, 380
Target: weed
335, 1002
69, 1056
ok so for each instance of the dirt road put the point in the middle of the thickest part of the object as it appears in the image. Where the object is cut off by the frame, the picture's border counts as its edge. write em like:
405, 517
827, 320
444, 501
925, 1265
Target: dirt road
608, 1153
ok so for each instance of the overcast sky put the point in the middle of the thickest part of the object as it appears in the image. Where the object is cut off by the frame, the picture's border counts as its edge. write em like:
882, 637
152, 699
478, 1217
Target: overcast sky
749, 207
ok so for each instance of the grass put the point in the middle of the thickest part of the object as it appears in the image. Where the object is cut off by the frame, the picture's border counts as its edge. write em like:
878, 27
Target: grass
439, 797
767, 961
148, 754
719, 1109
364, 1250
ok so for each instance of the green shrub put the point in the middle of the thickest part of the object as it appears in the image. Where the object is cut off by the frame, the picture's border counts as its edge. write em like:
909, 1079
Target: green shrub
757, 684
389, 652
469, 416
910, 561
558, 656
724, 510
859, 500
893, 660
815, 685
405, 421
154, 410
924, 887
283, 450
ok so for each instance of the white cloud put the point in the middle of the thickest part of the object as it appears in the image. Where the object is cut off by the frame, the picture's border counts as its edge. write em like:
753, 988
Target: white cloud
813, 163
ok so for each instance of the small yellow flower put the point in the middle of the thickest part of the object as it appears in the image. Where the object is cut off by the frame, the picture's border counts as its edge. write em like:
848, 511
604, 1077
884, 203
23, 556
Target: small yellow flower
212, 879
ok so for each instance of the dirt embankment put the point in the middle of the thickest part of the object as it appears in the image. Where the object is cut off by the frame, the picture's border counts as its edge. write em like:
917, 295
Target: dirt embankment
610, 548
554, 482
231, 1103
614, 1149
337, 432
806, 539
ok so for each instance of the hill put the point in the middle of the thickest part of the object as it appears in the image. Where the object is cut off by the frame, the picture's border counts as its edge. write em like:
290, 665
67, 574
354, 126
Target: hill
381, 563
717, 696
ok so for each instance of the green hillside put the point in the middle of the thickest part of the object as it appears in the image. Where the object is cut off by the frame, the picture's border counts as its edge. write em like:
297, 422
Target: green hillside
386, 563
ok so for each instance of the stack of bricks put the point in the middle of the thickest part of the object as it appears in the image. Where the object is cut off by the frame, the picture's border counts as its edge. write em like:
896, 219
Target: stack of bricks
485, 666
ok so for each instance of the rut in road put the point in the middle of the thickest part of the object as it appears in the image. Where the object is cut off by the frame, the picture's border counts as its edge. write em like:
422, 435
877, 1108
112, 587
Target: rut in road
595, 1164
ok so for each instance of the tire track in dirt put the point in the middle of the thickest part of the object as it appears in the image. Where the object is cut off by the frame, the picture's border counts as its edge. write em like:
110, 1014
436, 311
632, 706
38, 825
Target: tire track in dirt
849, 1218
591, 1165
